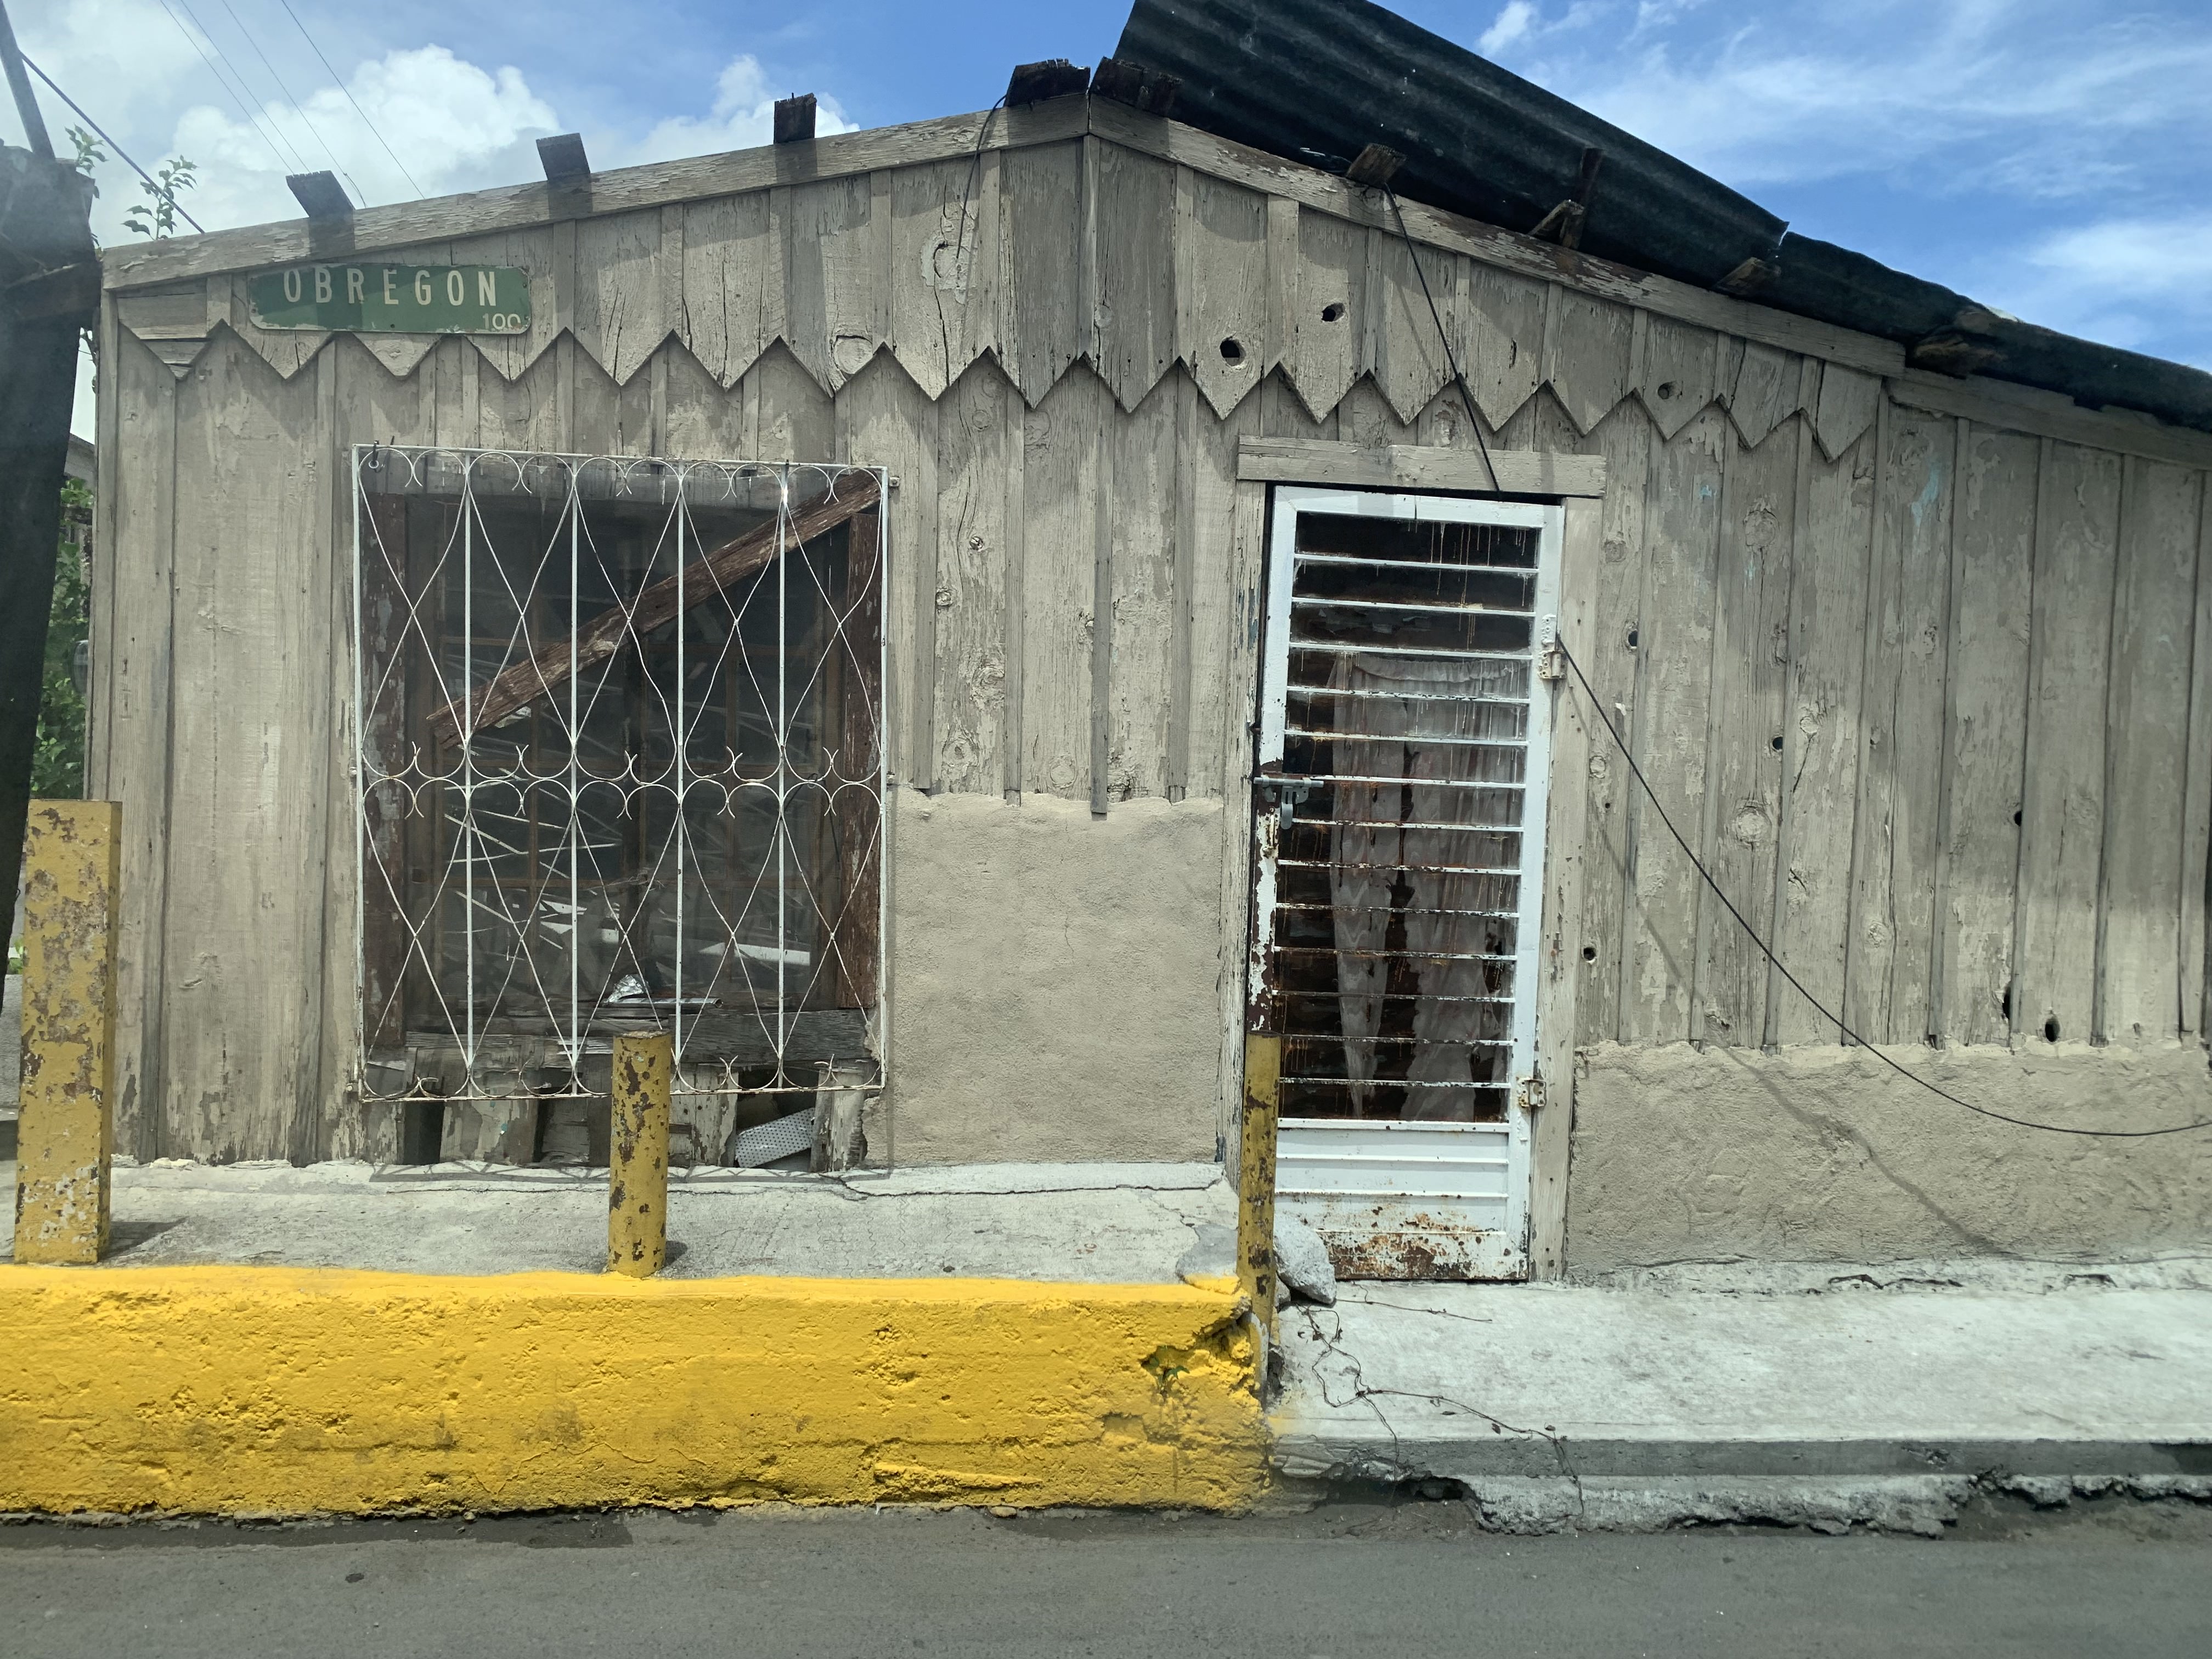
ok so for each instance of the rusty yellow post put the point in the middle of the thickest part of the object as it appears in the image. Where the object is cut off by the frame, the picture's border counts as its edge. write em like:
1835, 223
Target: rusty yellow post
637, 1185
65, 1132
1255, 1174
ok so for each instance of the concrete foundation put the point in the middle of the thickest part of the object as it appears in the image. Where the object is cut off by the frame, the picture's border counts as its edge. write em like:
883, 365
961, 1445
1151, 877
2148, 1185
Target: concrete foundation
282, 1391
1094, 1223
1055, 981
1824, 1154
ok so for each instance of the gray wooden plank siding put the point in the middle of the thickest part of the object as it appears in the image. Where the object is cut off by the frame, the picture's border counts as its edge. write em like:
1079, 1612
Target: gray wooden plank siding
1888, 985
1978, 863
133, 694
1744, 715
1611, 652
2062, 809
1820, 748
1947, 618
1669, 717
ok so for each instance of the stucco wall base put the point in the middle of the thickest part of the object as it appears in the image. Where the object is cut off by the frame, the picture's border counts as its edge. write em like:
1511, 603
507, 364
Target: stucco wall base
233, 1390
1824, 1154
1055, 981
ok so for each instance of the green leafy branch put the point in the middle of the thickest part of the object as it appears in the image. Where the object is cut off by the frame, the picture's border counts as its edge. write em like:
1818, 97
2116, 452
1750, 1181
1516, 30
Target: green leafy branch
157, 216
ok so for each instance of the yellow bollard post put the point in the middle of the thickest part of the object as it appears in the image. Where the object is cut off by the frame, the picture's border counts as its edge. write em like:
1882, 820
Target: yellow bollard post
637, 1184
65, 1131
1255, 1174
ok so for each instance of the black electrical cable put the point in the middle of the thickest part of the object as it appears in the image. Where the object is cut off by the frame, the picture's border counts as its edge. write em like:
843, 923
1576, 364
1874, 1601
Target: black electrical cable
1697, 863
974, 168
102, 132
1826, 1013
200, 43
298, 108
350, 99
1451, 358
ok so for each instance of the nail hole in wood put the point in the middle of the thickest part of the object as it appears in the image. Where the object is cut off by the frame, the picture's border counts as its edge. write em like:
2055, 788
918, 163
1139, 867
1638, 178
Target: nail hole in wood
2051, 1028
1333, 311
2015, 817
1590, 953
1231, 351
1777, 740
1631, 639
1666, 389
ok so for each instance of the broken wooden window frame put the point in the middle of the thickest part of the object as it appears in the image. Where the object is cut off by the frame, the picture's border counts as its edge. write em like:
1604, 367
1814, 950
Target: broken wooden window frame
417, 743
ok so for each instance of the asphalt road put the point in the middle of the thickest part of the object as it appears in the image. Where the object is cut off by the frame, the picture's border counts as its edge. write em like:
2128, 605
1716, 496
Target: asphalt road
1346, 1580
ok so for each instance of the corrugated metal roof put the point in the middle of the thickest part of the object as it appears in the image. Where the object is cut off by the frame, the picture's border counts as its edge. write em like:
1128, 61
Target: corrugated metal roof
1317, 81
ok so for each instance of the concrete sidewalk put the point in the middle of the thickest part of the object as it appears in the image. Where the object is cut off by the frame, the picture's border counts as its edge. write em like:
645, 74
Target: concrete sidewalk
1819, 1396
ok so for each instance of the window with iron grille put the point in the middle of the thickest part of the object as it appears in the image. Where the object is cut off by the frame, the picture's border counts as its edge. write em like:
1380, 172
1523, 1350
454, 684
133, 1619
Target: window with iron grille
621, 769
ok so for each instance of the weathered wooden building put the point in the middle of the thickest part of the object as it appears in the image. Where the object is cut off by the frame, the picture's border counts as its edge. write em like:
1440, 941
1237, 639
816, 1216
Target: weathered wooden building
1125, 459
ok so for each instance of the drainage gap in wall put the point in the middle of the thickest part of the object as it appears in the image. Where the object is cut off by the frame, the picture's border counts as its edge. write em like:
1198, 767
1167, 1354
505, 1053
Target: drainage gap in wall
421, 1130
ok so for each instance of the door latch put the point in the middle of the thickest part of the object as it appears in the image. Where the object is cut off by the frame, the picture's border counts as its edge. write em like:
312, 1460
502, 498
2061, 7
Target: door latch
1281, 793
1551, 659
1528, 1095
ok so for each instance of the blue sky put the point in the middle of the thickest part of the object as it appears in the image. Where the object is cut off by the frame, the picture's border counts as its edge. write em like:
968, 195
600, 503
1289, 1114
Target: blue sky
2049, 157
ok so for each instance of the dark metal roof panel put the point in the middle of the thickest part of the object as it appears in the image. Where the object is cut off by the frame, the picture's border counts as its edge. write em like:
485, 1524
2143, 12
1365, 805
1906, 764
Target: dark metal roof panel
1318, 81
1818, 279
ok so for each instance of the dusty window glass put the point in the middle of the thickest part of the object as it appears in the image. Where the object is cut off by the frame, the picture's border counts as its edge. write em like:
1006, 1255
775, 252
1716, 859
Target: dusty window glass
1399, 879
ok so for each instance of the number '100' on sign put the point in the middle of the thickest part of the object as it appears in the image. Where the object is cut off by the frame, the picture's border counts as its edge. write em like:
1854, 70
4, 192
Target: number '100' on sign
394, 298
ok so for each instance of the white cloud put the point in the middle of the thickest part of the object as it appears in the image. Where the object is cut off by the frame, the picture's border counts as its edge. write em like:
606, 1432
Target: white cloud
106, 52
2039, 97
451, 124
2134, 258
1511, 25
2140, 282
744, 115
2042, 156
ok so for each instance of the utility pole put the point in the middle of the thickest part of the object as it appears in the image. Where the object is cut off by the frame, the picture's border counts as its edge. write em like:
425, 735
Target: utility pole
49, 290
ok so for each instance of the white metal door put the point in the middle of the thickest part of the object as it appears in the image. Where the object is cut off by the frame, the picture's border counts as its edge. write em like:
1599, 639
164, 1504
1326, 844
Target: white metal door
1398, 838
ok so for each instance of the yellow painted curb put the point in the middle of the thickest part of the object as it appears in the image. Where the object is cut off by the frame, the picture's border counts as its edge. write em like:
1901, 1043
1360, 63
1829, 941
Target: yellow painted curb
222, 1390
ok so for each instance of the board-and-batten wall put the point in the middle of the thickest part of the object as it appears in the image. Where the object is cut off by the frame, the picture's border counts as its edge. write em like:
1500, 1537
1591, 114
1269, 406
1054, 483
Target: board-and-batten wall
1849, 637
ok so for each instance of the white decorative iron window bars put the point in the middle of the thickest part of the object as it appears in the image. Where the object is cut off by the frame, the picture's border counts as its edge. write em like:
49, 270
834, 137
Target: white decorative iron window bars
621, 768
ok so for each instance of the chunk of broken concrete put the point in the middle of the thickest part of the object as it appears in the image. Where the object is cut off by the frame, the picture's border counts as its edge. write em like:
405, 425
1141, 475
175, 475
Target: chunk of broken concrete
1302, 1264
1302, 1261
1211, 1254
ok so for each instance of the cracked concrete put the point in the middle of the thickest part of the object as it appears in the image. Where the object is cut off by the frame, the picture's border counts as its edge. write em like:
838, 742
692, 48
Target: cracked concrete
1573, 1407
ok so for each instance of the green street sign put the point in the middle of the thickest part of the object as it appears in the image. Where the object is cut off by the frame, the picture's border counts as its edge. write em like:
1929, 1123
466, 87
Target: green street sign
393, 299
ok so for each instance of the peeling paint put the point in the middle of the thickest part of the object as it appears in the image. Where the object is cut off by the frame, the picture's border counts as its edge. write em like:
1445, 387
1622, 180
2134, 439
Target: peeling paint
66, 1126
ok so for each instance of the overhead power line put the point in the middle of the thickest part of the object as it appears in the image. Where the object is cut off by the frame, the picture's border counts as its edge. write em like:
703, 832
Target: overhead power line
301, 109
350, 99
102, 132
245, 108
1825, 1012
1690, 852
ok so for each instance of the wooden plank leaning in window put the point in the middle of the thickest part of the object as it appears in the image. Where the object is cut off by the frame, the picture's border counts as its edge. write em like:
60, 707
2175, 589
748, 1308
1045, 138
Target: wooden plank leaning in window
519, 686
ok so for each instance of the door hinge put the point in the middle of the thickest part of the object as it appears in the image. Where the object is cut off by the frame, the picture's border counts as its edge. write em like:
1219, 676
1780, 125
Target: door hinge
1529, 1094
